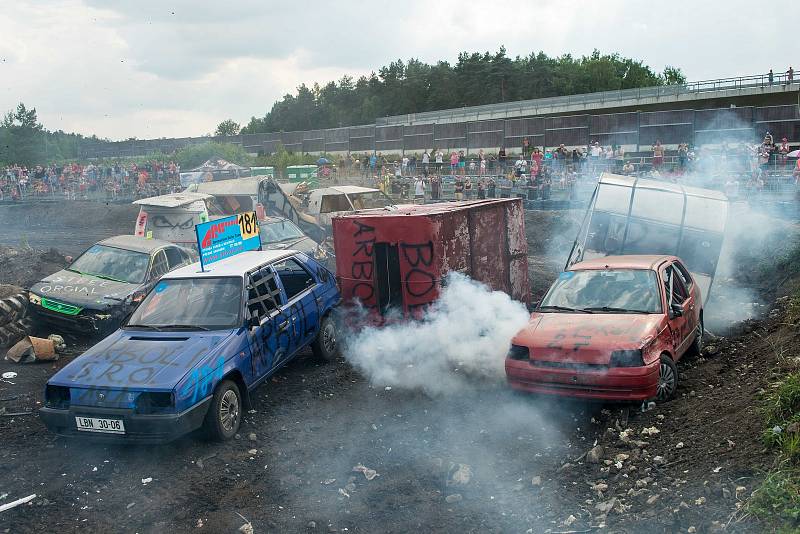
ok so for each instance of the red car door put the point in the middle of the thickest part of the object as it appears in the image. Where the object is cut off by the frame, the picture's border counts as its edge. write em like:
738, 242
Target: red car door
680, 310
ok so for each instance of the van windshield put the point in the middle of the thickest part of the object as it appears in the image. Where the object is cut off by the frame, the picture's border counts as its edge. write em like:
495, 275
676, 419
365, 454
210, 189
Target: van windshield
370, 199
191, 304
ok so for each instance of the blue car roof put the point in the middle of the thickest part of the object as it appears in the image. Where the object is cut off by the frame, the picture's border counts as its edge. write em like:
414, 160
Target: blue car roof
234, 266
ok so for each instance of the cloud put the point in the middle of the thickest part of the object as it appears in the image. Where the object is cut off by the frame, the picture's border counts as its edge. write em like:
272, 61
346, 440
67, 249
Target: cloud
154, 68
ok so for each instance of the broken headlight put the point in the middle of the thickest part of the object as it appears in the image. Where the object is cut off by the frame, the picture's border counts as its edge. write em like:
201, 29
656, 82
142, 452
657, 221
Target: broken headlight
627, 358
56, 397
151, 402
35, 299
518, 352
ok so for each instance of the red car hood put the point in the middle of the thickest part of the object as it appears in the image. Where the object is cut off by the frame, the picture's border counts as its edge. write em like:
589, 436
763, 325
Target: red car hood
585, 338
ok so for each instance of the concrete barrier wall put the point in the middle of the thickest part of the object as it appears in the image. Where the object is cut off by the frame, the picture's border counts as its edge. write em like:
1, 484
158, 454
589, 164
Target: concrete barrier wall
632, 129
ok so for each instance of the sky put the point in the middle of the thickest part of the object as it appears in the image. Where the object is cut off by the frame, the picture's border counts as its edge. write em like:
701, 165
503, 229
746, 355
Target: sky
177, 68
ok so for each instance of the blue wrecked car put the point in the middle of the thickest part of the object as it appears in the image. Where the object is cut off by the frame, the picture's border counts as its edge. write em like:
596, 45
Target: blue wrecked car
191, 352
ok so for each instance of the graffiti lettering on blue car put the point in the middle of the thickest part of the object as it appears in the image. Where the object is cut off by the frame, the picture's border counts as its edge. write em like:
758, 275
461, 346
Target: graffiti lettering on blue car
201, 381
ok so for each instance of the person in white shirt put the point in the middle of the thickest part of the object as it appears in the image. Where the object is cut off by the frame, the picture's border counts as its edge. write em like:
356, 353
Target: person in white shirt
439, 161
520, 166
426, 159
419, 190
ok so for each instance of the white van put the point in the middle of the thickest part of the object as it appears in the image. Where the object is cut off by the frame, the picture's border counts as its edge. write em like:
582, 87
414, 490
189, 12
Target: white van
173, 217
327, 202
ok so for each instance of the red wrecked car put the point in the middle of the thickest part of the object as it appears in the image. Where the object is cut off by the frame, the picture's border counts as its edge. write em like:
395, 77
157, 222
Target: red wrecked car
610, 328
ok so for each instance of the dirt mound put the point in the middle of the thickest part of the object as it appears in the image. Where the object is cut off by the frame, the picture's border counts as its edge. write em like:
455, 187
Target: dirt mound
24, 267
693, 461
70, 226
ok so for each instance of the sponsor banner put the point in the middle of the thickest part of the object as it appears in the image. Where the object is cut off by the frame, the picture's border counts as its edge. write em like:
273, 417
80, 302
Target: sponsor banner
226, 237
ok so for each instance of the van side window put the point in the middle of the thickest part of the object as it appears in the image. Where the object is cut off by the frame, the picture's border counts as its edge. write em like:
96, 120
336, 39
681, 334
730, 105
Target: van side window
294, 276
333, 203
263, 295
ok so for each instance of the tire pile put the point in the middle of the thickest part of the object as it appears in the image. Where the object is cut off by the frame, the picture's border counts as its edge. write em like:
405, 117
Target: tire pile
14, 323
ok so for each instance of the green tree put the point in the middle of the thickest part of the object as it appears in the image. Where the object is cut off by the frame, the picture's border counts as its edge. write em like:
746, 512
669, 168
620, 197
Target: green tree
476, 78
227, 127
195, 155
22, 136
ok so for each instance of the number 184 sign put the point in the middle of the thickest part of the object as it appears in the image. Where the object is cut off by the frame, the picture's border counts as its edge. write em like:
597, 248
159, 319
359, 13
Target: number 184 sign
226, 237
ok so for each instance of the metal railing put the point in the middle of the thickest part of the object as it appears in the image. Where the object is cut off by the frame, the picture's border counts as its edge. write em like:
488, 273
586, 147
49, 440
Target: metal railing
533, 107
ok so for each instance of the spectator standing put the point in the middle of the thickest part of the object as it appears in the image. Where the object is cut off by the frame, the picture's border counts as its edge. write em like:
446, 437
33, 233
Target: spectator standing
439, 161
770, 76
505, 187
683, 155
502, 159
658, 154
373, 163
520, 166
783, 149
491, 187
536, 156
595, 151
419, 190
468, 188
436, 187
619, 158
481, 188
459, 188
426, 160
453, 162
789, 76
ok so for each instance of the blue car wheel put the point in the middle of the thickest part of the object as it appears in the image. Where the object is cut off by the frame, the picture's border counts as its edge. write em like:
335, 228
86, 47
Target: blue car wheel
225, 413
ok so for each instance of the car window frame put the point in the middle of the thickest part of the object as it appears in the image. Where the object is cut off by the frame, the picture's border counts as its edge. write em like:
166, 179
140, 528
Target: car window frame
278, 292
305, 269
180, 255
669, 278
684, 273
150, 272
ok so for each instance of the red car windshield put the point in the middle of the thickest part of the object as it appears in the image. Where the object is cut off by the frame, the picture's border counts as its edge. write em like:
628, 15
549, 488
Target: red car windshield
608, 290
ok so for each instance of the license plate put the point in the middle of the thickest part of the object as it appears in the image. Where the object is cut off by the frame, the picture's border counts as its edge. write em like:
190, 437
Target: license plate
93, 424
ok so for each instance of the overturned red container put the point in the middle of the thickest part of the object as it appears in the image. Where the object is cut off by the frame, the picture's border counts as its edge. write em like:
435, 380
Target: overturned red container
397, 257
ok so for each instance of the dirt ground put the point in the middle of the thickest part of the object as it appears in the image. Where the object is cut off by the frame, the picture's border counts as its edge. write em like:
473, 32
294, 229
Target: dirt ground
485, 460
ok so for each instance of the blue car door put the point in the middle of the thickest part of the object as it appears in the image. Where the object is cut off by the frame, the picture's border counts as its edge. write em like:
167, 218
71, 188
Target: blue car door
269, 322
298, 285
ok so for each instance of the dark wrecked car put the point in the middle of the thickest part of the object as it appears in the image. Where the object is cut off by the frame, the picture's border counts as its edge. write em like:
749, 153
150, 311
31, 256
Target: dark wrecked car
195, 347
611, 329
105, 283
278, 233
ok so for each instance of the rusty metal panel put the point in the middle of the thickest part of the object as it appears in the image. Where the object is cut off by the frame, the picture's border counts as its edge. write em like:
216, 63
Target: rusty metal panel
518, 277
489, 255
469, 237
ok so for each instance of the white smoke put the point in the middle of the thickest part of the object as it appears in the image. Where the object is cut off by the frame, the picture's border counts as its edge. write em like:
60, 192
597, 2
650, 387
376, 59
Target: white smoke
466, 332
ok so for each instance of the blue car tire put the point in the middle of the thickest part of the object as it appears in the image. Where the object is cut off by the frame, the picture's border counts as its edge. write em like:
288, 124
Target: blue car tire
225, 413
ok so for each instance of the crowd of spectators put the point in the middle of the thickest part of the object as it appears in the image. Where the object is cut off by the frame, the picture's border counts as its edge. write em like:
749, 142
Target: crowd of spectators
538, 170
73, 181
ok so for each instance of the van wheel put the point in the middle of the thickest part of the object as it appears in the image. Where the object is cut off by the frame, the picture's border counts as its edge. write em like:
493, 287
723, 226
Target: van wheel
326, 344
667, 379
225, 413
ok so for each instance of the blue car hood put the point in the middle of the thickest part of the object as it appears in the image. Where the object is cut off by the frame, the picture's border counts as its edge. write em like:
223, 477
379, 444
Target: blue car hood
134, 359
